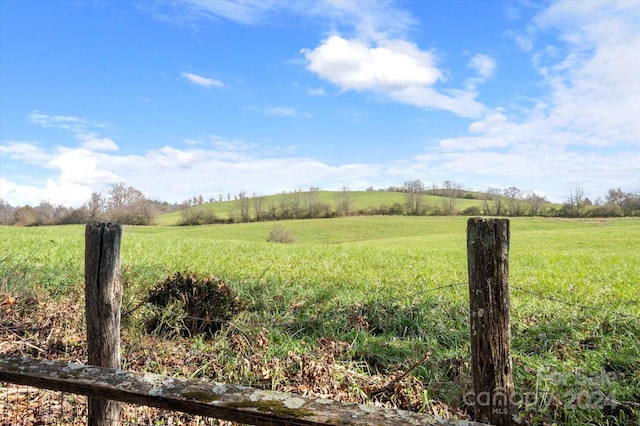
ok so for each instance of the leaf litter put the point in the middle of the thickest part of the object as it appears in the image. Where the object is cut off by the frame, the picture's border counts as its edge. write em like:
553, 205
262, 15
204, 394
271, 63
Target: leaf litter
39, 327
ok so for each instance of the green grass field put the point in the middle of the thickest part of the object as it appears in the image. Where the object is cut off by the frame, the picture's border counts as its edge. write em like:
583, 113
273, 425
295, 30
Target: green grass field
574, 287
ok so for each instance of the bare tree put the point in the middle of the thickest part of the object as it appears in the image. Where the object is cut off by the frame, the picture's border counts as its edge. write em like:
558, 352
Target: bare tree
498, 200
45, 213
258, 207
451, 191
244, 205
271, 211
96, 206
311, 202
631, 203
486, 206
574, 206
344, 202
615, 196
128, 205
296, 203
535, 203
285, 206
415, 196
514, 198
6, 213
121, 196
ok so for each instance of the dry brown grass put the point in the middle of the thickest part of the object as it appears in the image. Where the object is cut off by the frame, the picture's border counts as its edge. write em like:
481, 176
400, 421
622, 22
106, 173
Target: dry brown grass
39, 327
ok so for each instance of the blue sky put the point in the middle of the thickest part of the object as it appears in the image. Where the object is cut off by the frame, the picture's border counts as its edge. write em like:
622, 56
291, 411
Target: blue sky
183, 97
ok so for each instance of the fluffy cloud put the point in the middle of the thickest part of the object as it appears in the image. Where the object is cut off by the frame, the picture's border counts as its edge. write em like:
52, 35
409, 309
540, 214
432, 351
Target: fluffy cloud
396, 68
352, 64
53, 191
71, 174
25, 151
80, 167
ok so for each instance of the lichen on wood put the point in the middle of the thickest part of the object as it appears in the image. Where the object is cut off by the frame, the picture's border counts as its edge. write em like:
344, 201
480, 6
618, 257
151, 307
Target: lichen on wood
223, 401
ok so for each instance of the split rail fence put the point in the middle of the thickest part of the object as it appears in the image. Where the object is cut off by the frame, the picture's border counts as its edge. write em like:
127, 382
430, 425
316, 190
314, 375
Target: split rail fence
106, 385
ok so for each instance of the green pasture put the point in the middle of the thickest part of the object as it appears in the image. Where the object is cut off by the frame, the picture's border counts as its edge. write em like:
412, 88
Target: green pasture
574, 286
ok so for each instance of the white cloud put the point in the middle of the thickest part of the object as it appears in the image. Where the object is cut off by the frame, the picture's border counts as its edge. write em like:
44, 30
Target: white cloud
485, 65
246, 12
94, 143
25, 151
396, 68
202, 81
523, 41
58, 121
459, 102
66, 122
80, 167
52, 191
80, 127
491, 122
169, 158
74, 173
352, 64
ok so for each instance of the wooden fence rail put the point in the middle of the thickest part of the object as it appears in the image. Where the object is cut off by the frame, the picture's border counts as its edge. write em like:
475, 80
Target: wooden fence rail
223, 401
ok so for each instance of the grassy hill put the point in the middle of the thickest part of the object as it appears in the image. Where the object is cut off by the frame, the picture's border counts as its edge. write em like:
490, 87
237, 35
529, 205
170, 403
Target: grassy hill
361, 201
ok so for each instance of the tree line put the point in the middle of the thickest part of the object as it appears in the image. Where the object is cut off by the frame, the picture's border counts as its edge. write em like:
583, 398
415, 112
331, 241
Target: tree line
511, 201
129, 206
121, 204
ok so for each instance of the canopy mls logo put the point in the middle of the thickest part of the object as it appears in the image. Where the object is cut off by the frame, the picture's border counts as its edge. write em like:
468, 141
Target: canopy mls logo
582, 392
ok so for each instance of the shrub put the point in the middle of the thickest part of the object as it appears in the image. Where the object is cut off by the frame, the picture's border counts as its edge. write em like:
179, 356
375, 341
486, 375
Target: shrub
471, 211
196, 217
191, 304
280, 234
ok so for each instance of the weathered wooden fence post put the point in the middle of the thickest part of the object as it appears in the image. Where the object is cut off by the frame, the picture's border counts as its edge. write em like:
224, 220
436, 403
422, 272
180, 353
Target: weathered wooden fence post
488, 263
103, 297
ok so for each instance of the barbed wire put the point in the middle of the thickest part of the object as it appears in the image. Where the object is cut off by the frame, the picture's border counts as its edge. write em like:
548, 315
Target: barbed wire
413, 295
577, 305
